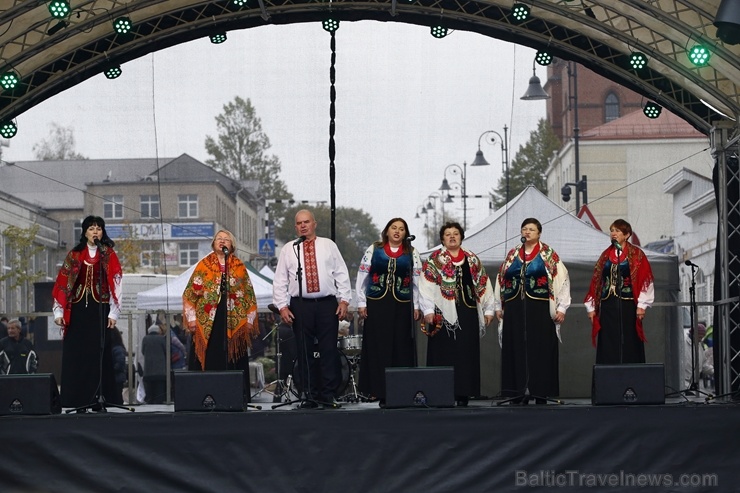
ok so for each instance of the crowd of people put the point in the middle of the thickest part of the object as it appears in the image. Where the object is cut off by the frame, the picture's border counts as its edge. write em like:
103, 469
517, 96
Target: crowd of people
448, 299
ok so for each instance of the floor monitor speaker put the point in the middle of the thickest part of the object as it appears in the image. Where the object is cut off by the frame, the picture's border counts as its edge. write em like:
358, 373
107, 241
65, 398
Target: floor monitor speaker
642, 383
210, 390
420, 387
29, 394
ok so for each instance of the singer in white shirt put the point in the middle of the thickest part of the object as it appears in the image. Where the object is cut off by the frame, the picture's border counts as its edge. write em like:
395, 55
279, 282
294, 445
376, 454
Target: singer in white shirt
314, 307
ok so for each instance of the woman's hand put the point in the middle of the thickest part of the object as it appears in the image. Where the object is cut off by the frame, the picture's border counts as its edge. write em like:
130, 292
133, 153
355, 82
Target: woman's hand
417, 314
362, 312
591, 315
488, 319
499, 315
59, 321
559, 317
429, 319
640, 313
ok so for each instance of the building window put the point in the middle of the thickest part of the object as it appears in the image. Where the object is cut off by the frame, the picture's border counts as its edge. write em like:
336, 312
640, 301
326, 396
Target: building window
188, 254
113, 206
150, 256
187, 205
611, 107
149, 206
76, 232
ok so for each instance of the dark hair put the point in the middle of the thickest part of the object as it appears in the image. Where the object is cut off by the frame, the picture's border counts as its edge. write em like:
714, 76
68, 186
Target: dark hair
116, 338
93, 221
450, 225
532, 220
384, 235
622, 226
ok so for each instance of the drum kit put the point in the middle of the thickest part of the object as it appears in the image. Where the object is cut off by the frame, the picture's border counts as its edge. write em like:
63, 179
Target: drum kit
350, 349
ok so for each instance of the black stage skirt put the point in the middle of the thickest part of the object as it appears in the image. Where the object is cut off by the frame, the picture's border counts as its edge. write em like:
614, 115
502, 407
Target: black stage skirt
216, 352
608, 343
82, 353
461, 351
387, 341
529, 355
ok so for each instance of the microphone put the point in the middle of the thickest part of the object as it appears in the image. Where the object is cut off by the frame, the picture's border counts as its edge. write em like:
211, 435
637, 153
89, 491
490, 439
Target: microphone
691, 264
300, 240
97, 242
616, 245
225, 250
410, 238
523, 239
273, 309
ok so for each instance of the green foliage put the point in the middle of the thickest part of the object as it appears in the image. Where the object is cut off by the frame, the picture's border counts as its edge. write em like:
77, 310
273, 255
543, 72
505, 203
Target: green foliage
355, 231
129, 249
240, 151
59, 146
22, 250
529, 165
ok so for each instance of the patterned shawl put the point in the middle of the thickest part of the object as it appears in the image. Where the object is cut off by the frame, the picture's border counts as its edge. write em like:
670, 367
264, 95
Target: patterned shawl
640, 273
201, 298
438, 285
67, 277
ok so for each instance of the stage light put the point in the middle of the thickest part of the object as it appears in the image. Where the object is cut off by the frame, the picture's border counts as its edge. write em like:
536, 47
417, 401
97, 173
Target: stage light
239, 3
113, 72
520, 12
330, 25
59, 8
638, 60
439, 31
699, 55
543, 58
652, 110
727, 22
9, 80
218, 38
8, 130
122, 25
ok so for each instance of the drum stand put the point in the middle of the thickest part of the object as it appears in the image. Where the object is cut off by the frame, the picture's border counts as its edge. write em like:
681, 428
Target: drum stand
353, 396
281, 388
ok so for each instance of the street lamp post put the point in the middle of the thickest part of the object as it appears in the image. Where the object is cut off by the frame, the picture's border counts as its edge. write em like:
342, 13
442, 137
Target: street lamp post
481, 161
445, 187
580, 185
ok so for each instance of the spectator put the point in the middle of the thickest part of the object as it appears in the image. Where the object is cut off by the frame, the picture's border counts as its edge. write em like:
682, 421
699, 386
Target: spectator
119, 362
16, 352
154, 350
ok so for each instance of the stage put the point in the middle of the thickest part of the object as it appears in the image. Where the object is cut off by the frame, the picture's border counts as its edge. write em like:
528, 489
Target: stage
684, 445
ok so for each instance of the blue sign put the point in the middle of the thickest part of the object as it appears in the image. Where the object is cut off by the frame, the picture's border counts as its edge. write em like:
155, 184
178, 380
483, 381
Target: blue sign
267, 247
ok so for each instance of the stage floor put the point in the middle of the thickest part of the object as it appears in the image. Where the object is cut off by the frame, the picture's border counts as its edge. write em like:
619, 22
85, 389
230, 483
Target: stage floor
684, 445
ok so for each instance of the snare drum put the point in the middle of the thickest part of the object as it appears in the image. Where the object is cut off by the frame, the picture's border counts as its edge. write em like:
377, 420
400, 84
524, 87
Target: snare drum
350, 344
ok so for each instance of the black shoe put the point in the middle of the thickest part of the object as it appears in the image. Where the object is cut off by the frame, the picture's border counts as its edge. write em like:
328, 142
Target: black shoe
540, 401
331, 403
309, 405
462, 402
381, 403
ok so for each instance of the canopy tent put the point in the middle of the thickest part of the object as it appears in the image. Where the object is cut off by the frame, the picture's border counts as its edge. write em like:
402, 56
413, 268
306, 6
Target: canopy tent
168, 296
579, 246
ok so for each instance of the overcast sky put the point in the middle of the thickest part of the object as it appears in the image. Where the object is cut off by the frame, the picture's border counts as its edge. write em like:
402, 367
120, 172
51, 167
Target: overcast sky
408, 105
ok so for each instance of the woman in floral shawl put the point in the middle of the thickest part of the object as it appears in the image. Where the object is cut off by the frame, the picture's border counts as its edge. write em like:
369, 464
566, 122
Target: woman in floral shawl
620, 292
87, 300
221, 326
457, 301
533, 291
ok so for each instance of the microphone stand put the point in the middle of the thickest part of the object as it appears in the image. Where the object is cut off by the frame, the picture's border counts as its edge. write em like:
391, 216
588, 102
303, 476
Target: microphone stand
618, 247
408, 241
99, 404
693, 388
307, 373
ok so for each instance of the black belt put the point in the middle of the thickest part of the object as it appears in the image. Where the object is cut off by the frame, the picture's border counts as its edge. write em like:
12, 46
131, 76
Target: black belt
315, 300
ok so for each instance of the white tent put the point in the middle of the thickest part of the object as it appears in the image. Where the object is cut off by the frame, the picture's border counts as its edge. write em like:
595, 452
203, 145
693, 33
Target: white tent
579, 246
168, 296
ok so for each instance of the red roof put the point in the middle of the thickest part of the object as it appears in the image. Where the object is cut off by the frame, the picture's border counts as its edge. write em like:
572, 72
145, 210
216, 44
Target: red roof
636, 125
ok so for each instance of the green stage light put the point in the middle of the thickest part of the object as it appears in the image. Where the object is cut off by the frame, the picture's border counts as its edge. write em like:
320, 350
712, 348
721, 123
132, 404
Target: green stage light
113, 72
638, 60
652, 110
218, 38
122, 25
8, 130
439, 31
9, 80
59, 8
520, 12
543, 58
699, 55
330, 25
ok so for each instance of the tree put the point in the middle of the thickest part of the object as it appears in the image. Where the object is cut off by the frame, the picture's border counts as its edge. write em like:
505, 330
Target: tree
59, 146
20, 243
355, 231
529, 165
128, 249
240, 151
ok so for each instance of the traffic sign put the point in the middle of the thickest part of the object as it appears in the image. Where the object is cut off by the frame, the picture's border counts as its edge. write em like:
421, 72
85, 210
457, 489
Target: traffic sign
267, 247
